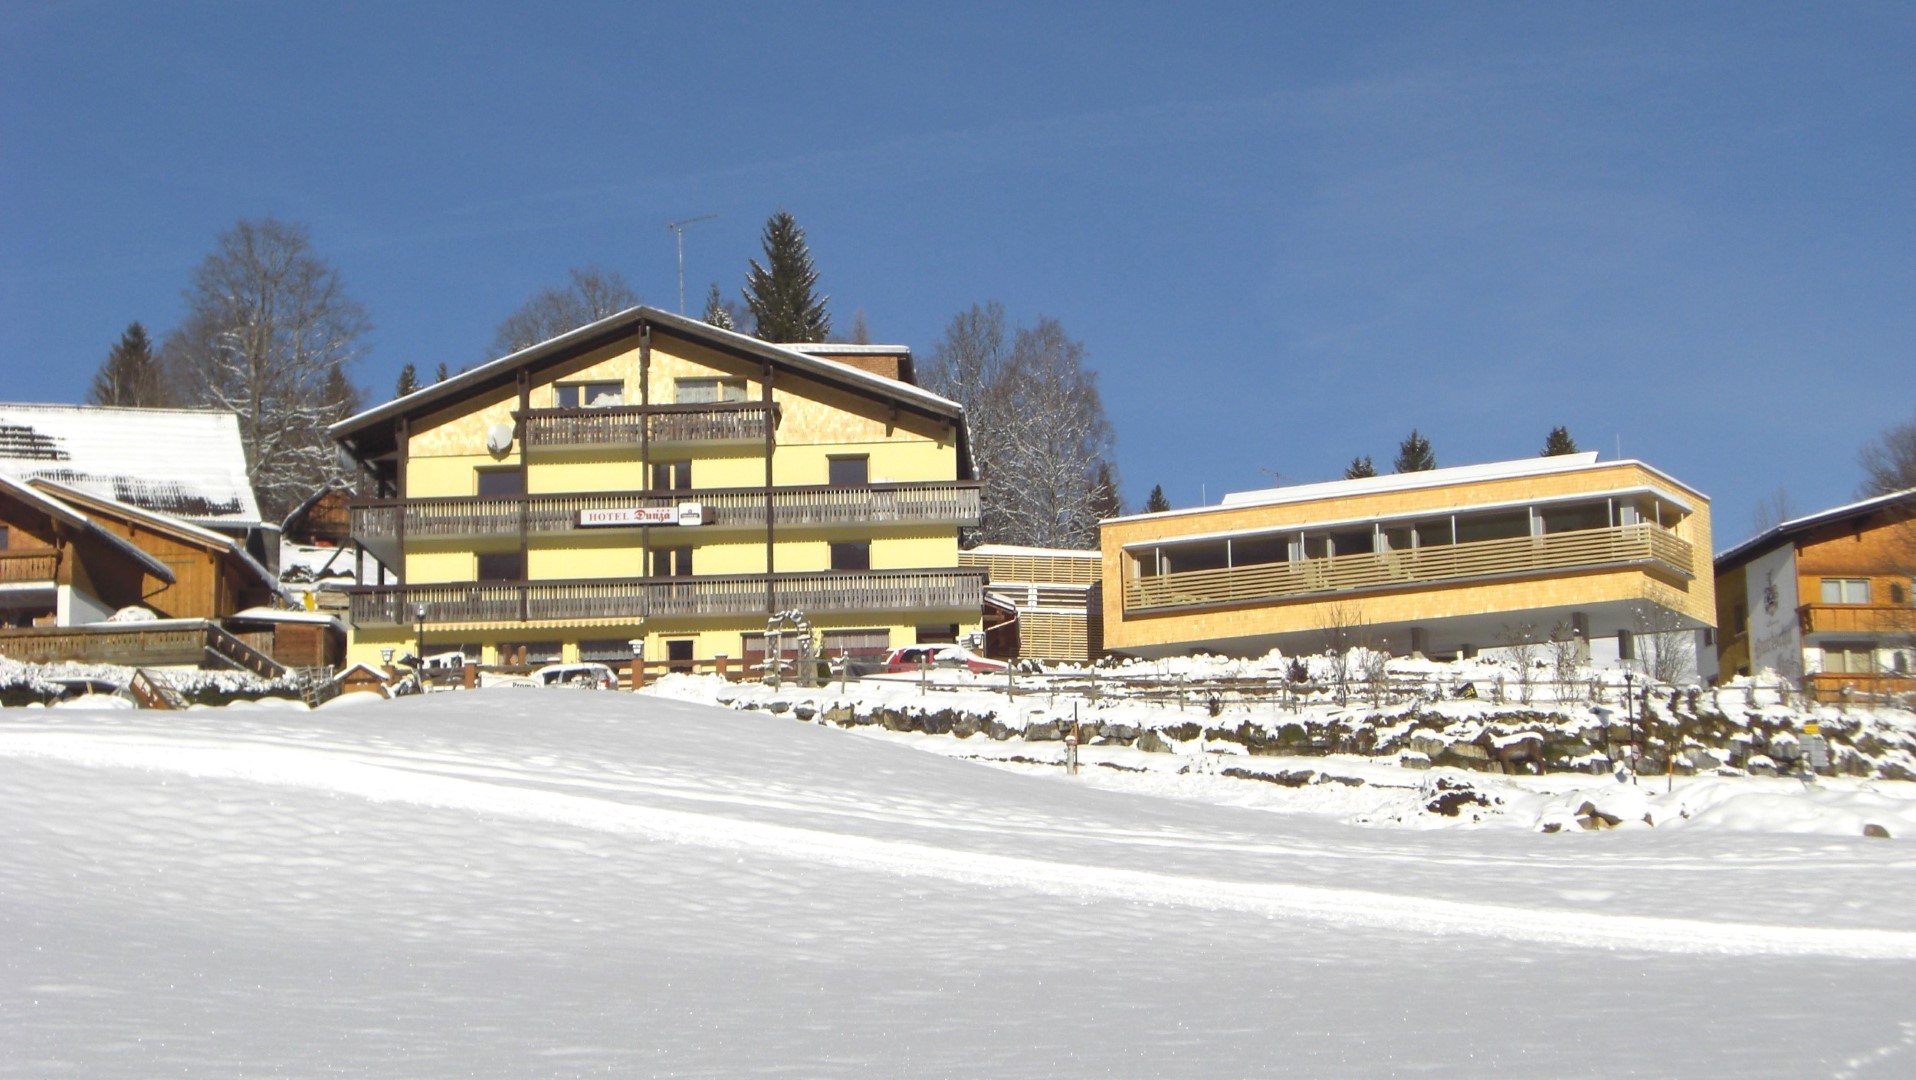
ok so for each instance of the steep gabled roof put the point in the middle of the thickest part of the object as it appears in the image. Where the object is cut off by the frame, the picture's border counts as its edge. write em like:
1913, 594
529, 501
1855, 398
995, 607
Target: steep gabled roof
370, 434
1896, 502
74, 519
165, 524
189, 463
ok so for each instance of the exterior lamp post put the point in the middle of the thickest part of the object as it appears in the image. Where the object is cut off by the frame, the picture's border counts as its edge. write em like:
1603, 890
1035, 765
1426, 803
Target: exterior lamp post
1630, 710
386, 659
638, 663
419, 615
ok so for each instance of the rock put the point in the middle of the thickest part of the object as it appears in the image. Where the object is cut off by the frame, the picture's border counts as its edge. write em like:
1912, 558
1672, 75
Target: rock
965, 726
1592, 818
839, 714
998, 731
937, 723
1875, 830
1124, 734
1412, 759
1470, 750
1044, 731
1152, 742
778, 706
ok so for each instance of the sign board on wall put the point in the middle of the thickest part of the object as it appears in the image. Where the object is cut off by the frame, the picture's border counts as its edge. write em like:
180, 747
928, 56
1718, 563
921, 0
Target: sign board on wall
1776, 637
683, 514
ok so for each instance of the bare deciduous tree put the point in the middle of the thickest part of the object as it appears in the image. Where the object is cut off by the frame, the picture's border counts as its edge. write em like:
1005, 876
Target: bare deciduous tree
593, 294
268, 331
1038, 428
1521, 645
1341, 626
1773, 510
1666, 646
1566, 661
1889, 460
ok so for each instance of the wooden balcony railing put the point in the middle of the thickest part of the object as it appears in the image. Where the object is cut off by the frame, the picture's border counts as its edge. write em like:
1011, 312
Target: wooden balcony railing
19, 567
730, 421
878, 591
1857, 618
376, 521
1624, 544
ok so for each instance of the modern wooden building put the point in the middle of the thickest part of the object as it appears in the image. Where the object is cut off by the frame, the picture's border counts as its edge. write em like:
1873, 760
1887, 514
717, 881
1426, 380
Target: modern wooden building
652, 477
1052, 599
1436, 563
1825, 599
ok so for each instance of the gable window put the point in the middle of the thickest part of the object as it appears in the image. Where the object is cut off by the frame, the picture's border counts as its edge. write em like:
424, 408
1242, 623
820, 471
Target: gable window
589, 395
852, 555
672, 476
1845, 590
848, 471
3, 538
700, 391
499, 483
501, 566
672, 562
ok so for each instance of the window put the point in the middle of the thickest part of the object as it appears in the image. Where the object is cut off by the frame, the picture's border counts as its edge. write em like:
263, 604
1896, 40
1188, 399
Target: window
1849, 659
606, 650
864, 644
849, 471
497, 483
938, 634
590, 395
672, 476
679, 653
529, 653
672, 562
1845, 590
1896, 593
852, 555
503, 566
697, 391
3, 538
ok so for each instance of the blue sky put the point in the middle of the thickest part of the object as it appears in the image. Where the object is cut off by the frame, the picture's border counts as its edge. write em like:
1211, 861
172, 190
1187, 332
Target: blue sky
1286, 234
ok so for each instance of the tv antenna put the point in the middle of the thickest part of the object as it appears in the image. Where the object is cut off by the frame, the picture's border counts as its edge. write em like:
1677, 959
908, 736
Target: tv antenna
678, 227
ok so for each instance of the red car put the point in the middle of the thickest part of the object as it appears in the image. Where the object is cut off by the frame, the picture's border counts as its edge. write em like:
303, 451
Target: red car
913, 657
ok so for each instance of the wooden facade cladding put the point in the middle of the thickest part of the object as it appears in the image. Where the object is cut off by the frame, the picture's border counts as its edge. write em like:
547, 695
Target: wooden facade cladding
934, 590
1628, 545
1857, 618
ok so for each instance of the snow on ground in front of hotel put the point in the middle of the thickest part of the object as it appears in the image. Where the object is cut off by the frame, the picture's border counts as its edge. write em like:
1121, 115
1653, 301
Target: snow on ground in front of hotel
560, 883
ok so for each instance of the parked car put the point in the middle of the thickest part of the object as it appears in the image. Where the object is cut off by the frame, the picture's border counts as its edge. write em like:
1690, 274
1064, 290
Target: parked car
587, 676
913, 657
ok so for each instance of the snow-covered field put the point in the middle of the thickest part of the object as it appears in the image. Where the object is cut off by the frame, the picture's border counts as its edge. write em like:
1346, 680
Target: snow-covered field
558, 883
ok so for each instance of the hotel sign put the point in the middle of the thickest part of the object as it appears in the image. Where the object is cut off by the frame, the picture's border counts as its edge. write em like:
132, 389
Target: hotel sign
682, 514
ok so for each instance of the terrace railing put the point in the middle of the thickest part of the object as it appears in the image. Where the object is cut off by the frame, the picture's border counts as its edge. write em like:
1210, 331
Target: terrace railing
631, 598
730, 421
1857, 618
377, 521
17, 567
1625, 544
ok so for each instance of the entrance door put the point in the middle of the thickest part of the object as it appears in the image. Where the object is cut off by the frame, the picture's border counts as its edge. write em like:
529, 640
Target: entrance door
679, 653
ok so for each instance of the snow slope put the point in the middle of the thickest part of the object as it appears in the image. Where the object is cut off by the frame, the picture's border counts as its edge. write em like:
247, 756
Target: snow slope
534, 883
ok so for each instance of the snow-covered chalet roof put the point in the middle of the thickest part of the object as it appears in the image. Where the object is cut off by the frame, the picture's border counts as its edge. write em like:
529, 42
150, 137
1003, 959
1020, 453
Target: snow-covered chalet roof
189, 463
1894, 502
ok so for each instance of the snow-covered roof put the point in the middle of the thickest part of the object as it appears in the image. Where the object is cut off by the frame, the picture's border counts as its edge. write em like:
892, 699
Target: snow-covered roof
1412, 481
189, 463
1770, 537
283, 615
1019, 550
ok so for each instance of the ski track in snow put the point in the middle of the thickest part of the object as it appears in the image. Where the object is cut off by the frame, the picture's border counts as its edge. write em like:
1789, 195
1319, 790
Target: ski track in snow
415, 782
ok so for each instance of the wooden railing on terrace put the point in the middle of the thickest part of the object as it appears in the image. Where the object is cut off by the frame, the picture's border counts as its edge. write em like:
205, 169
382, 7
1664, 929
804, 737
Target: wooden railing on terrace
729, 421
937, 502
1643, 543
1857, 618
630, 598
23, 566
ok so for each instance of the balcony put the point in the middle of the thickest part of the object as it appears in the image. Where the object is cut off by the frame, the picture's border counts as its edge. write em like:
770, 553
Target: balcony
708, 423
28, 567
1625, 545
376, 522
885, 593
1857, 619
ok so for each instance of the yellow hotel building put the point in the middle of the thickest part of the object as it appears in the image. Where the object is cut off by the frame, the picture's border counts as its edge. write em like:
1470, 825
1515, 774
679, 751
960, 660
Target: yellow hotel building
1437, 563
649, 476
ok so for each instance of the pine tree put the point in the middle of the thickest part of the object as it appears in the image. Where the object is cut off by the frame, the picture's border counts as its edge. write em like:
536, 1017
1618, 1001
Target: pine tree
716, 313
408, 381
1359, 468
343, 399
1157, 503
130, 374
1559, 442
441, 374
780, 293
1413, 454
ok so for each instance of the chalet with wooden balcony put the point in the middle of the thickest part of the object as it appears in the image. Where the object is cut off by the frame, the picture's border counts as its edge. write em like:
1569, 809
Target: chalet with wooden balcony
1825, 599
651, 477
1436, 563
